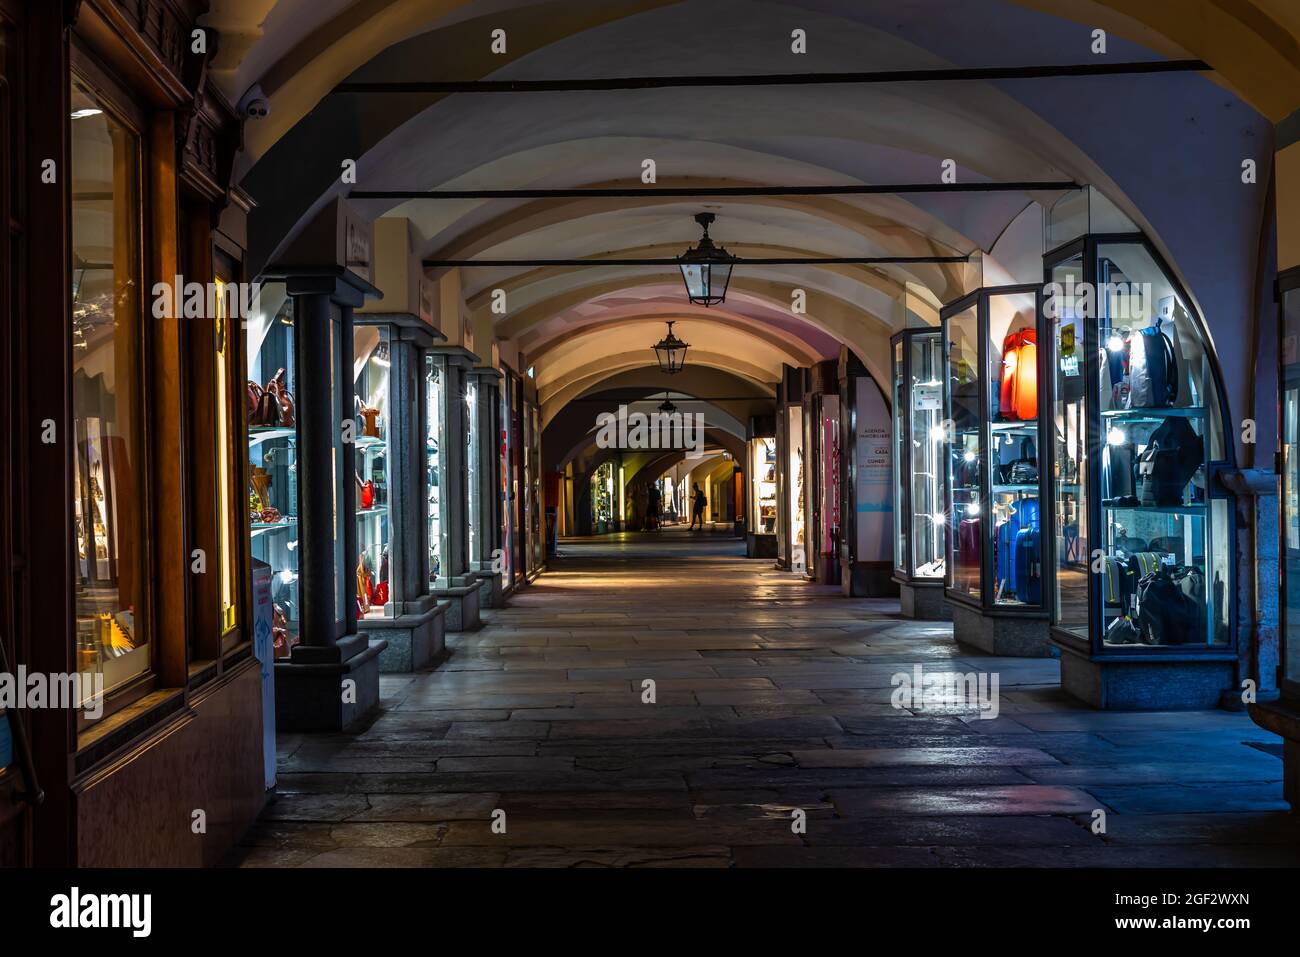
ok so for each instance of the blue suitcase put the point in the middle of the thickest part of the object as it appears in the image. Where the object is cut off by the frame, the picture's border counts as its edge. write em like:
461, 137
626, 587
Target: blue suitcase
1029, 566
1024, 515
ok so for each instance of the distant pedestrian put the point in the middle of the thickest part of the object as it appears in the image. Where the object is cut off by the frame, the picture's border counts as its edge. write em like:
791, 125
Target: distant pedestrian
698, 503
652, 508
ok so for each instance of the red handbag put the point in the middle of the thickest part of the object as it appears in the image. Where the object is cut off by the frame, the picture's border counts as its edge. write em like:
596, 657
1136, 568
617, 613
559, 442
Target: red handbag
1018, 398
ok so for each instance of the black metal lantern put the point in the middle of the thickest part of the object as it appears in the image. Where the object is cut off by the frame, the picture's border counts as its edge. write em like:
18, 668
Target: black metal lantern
671, 353
706, 269
666, 406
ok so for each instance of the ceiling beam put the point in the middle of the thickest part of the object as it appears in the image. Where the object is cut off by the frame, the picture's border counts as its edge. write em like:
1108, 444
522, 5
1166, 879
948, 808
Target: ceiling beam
739, 261
633, 192
940, 75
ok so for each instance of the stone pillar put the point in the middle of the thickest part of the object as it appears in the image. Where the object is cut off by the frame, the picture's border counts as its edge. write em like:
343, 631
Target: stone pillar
456, 583
330, 682
487, 506
415, 624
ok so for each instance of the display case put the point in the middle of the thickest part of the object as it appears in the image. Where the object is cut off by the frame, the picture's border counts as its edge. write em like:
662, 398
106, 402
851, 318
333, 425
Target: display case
602, 498
371, 366
1142, 529
761, 520
507, 491
920, 519
1289, 466
272, 459
994, 488
1282, 714
434, 402
473, 493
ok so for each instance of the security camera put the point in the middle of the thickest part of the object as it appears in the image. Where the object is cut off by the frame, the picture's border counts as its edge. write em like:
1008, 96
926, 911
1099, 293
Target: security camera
254, 104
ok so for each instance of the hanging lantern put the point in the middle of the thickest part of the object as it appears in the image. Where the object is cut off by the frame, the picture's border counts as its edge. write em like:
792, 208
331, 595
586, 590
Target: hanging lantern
671, 353
666, 406
706, 268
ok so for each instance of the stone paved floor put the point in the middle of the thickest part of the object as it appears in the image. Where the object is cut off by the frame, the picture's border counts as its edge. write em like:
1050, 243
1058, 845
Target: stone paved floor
772, 695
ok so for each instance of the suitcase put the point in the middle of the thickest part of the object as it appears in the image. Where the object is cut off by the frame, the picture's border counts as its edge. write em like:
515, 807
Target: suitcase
1029, 566
1024, 515
967, 572
1018, 397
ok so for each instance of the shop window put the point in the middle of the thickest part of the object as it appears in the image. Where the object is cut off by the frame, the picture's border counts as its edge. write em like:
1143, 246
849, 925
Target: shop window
1159, 411
964, 474
273, 463
433, 403
1289, 355
919, 517
762, 455
472, 495
1070, 453
108, 498
227, 577
372, 382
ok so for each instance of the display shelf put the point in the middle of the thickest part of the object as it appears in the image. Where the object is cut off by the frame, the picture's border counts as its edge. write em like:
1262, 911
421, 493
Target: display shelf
259, 434
378, 510
1153, 416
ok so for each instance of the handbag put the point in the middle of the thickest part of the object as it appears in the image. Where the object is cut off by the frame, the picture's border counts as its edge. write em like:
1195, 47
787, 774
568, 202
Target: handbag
1018, 397
1169, 461
1121, 488
369, 421
1123, 631
1022, 470
1167, 615
1153, 370
284, 405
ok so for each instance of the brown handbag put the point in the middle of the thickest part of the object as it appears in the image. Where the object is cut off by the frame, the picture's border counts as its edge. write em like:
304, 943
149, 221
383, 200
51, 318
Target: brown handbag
253, 391
283, 411
370, 426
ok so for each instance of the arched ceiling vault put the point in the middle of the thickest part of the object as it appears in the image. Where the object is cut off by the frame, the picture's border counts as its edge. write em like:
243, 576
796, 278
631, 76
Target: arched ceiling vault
1062, 129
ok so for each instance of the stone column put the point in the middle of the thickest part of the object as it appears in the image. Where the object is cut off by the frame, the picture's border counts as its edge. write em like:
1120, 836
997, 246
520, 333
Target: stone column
330, 682
487, 564
457, 583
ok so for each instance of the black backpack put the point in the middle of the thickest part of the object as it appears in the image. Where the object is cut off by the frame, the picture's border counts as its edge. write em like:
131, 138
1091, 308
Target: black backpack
1167, 615
1169, 461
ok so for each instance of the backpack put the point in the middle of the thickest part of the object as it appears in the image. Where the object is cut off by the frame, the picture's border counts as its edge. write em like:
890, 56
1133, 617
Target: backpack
1021, 471
1121, 485
1018, 398
1167, 615
1169, 461
1153, 370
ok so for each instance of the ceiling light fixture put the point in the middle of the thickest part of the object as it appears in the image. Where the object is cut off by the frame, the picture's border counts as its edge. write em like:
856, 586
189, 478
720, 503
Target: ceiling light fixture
706, 268
671, 353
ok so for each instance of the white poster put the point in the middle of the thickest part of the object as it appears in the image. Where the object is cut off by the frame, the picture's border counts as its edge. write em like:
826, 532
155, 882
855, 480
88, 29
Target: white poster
874, 474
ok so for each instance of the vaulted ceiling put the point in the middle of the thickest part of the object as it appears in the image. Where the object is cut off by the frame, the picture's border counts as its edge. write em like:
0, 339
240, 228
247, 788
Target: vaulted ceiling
1151, 144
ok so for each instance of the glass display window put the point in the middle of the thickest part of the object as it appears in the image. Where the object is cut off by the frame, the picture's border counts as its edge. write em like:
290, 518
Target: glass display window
797, 500
920, 518
763, 500
965, 451
371, 370
110, 591
993, 435
434, 385
1289, 460
830, 483
472, 492
272, 458
1142, 531
602, 498
506, 558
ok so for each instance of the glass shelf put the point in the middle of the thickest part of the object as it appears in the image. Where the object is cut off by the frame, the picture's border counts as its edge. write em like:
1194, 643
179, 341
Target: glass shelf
259, 434
1153, 415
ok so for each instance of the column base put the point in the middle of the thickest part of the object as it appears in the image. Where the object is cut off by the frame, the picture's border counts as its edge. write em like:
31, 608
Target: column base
1154, 685
1001, 635
923, 602
462, 613
310, 695
491, 592
1282, 717
868, 580
414, 641
760, 545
